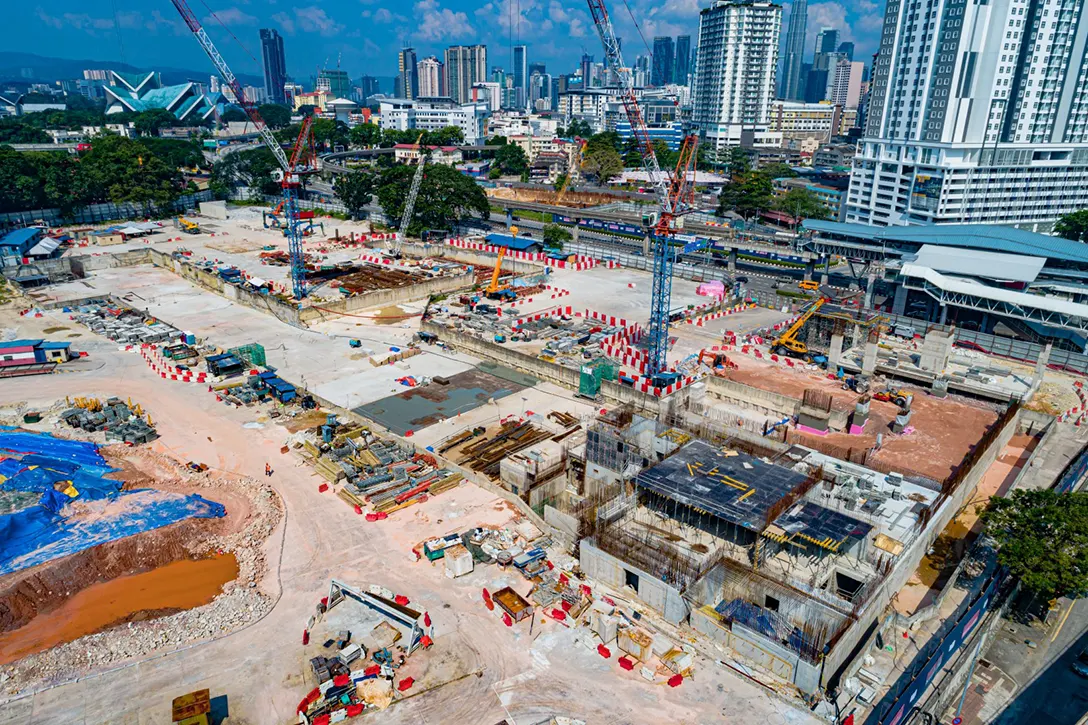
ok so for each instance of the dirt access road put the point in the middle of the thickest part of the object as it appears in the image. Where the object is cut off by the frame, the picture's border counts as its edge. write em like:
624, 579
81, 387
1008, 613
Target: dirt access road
261, 668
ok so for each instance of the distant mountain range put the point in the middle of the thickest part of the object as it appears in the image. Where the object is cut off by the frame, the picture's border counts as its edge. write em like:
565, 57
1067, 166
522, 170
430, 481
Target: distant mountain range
42, 69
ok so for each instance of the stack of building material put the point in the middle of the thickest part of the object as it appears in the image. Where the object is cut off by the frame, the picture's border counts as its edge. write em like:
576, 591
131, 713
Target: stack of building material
114, 417
487, 454
458, 561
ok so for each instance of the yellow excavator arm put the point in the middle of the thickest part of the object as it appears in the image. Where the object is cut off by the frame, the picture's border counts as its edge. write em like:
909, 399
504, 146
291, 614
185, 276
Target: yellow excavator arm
788, 338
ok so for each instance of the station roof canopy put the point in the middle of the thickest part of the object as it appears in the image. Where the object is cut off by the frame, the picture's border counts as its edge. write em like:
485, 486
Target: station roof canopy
728, 484
975, 263
517, 244
985, 237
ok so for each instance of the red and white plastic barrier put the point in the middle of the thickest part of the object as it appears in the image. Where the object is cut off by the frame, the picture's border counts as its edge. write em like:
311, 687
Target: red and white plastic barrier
168, 371
554, 312
699, 322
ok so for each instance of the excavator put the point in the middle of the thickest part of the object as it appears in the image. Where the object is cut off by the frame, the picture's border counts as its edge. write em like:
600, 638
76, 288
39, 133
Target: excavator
272, 219
187, 226
788, 344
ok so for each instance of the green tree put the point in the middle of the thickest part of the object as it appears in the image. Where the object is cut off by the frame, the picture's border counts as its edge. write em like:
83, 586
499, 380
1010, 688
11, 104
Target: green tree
251, 168
801, 204
446, 196
747, 197
120, 169
606, 140
149, 122
445, 136
556, 236
604, 164
494, 173
738, 161
20, 188
632, 159
1043, 539
577, 127
13, 131
233, 115
561, 182
777, 171
330, 133
1073, 226
355, 190
365, 135
175, 152
275, 115
306, 110
63, 182
511, 159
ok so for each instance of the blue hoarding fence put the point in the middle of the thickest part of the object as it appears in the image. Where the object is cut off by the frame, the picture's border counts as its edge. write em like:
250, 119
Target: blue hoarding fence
897, 704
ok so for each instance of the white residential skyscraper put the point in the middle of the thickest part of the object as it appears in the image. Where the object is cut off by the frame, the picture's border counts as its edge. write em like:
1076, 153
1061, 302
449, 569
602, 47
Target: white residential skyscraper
429, 71
844, 83
978, 114
465, 66
735, 69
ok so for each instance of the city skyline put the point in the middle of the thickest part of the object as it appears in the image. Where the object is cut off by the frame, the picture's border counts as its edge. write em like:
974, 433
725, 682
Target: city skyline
364, 38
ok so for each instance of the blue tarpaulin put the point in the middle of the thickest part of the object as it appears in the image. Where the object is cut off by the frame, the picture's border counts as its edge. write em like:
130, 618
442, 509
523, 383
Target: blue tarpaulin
60, 523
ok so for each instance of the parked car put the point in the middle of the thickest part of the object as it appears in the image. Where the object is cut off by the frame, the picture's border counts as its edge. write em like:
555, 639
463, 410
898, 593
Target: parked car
1080, 664
742, 279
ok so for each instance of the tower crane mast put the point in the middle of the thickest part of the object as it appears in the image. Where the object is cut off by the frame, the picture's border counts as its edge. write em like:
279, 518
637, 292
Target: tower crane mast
410, 204
290, 171
672, 192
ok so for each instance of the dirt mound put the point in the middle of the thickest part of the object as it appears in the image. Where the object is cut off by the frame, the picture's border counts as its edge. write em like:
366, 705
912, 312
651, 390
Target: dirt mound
27, 594
577, 199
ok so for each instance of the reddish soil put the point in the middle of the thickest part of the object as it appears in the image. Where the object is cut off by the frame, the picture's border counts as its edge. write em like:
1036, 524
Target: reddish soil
945, 428
167, 589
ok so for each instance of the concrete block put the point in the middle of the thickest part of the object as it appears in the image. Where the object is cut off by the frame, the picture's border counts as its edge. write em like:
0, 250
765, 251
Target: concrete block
868, 361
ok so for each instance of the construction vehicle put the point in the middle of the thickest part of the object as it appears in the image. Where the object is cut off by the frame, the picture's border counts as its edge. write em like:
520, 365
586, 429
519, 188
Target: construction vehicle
893, 395
289, 175
494, 291
809, 284
714, 360
856, 384
410, 205
671, 190
271, 219
788, 344
193, 708
189, 227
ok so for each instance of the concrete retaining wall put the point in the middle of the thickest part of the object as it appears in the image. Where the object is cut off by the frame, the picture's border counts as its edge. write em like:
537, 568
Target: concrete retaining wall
607, 569
386, 297
910, 558
754, 647
767, 401
468, 256
611, 392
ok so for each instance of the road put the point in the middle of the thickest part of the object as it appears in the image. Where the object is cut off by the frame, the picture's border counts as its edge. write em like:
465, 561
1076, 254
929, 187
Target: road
1058, 696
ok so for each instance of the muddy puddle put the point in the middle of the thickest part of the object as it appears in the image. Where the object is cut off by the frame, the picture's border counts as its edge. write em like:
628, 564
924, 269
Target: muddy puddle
184, 584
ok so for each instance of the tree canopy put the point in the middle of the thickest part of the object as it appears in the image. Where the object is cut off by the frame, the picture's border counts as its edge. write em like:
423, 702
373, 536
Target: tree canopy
1043, 539
577, 127
149, 122
739, 163
12, 131
555, 236
233, 115
365, 135
747, 196
355, 190
1073, 226
446, 196
606, 140
115, 169
801, 204
275, 115
251, 168
604, 164
511, 159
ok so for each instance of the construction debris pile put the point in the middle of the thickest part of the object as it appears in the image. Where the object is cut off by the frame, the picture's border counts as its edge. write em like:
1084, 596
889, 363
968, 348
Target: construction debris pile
375, 277
124, 325
381, 475
119, 420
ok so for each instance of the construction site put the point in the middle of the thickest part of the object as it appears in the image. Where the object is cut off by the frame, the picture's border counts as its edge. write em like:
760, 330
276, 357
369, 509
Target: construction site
303, 469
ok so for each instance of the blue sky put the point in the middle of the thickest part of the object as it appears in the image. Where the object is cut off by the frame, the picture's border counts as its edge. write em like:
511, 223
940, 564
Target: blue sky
366, 34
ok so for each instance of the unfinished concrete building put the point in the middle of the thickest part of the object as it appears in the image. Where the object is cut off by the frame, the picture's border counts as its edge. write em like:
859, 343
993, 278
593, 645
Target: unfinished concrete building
787, 557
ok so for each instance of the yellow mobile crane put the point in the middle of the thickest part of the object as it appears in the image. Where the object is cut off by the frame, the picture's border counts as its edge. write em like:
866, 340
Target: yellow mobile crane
788, 344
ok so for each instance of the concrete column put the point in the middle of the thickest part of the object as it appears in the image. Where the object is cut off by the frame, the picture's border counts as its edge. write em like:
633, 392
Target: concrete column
810, 269
509, 217
834, 355
825, 276
944, 314
856, 339
646, 247
574, 232
1041, 362
899, 302
732, 265
869, 284
868, 361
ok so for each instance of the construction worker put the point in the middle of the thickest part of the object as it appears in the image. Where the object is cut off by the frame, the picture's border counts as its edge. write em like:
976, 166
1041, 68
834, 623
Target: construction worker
267, 470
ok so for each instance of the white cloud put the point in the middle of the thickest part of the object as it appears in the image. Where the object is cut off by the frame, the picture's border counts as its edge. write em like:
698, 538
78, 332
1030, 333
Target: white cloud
577, 28
557, 12
313, 19
285, 22
381, 15
436, 24
229, 16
